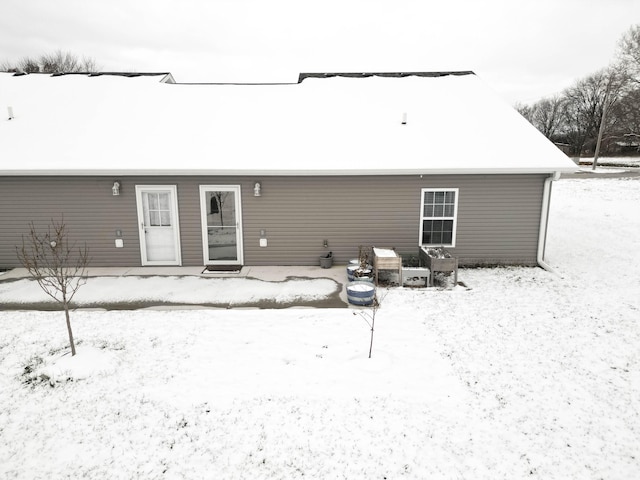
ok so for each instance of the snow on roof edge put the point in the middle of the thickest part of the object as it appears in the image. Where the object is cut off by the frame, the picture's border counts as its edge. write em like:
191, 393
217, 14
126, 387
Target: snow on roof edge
303, 75
291, 173
167, 77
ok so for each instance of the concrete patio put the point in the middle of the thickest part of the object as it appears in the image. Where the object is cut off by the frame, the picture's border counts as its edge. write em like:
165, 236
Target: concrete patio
336, 273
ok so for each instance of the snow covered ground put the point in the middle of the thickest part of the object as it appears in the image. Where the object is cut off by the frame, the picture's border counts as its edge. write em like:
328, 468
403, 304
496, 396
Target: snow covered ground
528, 374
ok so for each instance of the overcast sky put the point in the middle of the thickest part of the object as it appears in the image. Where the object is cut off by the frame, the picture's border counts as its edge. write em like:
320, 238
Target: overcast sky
524, 49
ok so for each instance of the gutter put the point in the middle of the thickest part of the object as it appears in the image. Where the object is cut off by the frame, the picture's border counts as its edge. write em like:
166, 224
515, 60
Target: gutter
544, 221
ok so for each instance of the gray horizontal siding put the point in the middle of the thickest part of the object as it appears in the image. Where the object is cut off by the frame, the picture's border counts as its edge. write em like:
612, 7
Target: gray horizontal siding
498, 216
91, 213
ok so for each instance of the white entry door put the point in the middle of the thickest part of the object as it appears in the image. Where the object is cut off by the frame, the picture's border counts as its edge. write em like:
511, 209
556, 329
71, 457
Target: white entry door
158, 223
221, 224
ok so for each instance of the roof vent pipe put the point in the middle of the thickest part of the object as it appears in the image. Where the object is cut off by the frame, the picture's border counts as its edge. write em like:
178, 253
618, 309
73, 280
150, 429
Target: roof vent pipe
404, 118
10, 111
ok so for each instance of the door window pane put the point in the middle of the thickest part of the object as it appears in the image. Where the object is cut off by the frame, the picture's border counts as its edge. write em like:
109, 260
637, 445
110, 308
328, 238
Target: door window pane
222, 231
153, 201
159, 209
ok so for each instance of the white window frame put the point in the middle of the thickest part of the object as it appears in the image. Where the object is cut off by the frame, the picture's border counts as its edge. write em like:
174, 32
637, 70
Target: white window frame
454, 217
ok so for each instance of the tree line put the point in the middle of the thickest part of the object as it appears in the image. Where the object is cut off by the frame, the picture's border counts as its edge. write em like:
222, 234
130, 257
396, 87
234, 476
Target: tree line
599, 114
55, 62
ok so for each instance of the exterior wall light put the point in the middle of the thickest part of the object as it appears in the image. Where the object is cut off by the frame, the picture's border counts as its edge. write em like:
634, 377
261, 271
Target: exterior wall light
116, 188
257, 189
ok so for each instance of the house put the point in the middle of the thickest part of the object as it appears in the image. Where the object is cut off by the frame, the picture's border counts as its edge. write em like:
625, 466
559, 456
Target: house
147, 171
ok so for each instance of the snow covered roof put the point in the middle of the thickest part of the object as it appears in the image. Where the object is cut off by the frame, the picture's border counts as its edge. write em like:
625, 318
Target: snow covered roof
326, 124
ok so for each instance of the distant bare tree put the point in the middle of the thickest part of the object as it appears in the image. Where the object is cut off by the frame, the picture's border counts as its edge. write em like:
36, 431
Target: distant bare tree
56, 62
547, 115
525, 110
59, 61
26, 64
629, 52
627, 110
56, 264
588, 101
597, 110
616, 78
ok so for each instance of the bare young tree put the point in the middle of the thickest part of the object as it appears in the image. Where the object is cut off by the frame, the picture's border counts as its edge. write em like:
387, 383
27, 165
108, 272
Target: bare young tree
370, 316
56, 264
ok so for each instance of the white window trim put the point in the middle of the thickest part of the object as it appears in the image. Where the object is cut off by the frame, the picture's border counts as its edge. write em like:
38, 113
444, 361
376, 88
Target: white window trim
454, 218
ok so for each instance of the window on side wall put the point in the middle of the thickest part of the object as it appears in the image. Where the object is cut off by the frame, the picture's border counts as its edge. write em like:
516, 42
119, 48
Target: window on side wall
439, 217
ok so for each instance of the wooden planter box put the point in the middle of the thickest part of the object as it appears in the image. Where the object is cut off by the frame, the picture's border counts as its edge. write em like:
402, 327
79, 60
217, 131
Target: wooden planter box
439, 264
387, 259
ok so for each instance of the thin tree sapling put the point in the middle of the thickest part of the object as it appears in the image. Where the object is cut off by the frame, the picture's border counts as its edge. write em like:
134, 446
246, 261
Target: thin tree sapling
56, 264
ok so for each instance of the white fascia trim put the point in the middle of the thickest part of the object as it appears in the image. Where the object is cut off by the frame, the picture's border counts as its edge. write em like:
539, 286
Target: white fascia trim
284, 172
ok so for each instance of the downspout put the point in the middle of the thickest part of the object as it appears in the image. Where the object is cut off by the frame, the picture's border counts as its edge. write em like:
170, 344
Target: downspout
544, 221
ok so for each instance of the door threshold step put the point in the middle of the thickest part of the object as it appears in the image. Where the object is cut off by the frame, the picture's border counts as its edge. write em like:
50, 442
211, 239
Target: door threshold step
222, 269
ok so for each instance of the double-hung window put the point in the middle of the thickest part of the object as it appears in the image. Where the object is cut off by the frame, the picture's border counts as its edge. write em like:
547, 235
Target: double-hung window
439, 211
